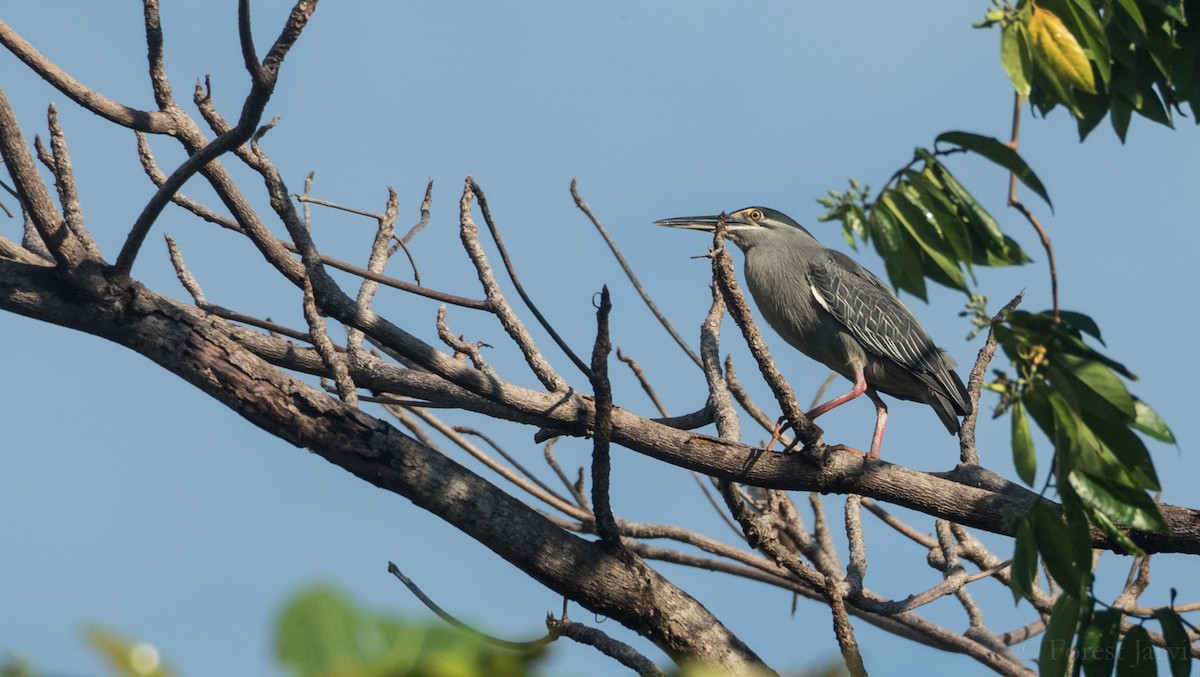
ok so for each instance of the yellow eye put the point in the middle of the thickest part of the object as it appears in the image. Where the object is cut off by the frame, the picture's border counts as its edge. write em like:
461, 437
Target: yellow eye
755, 215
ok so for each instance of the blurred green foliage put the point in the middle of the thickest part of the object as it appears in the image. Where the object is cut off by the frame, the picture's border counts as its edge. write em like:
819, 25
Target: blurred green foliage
322, 633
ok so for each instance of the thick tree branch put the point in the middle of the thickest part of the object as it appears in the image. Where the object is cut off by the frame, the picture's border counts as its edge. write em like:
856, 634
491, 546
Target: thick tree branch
967, 495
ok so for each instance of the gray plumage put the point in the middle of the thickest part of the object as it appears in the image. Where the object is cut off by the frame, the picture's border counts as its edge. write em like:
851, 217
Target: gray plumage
835, 311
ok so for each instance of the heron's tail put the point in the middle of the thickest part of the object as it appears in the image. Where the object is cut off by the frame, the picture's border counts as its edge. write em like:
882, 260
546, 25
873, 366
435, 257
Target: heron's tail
950, 399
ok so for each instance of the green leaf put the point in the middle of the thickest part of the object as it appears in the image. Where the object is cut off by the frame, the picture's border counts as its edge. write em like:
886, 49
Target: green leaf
1148, 421
933, 194
903, 265
1054, 542
1098, 643
987, 243
921, 225
1099, 445
1049, 89
1081, 323
1098, 379
1137, 655
1056, 643
1024, 563
972, 210
1022, 445
1126, 544
1091, 28
1016, 56
1125, 506
1179, 648
1120, 114
1131, 9
999, 153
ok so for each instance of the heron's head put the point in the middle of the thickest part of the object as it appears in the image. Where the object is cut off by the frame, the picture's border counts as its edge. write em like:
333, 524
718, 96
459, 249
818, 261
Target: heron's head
744, 227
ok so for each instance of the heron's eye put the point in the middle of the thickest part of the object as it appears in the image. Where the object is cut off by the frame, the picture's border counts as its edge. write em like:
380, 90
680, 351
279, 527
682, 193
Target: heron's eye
755, 215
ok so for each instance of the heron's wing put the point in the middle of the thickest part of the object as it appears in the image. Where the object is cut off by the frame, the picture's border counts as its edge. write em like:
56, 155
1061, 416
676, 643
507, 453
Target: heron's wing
873, 314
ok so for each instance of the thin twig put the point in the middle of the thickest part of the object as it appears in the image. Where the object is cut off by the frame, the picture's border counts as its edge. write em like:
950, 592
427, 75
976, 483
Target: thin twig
623, 653
612, 245
404, 415
35, 199
466, 430
1015, 202
533, 645
156, 176
147, 121
843, 630
896, 523
743, 398
728, 426
550, 498
712, 501
193, 288
645, 383
426, 203
463, 347
580, 497
516, 282
159, 82
181, 271
376, 262
760, 535
64, 181
968, 454
333, 360
856, 570
497, 304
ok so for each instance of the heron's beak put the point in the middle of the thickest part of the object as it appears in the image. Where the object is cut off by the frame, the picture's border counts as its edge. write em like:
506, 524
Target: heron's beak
706, 223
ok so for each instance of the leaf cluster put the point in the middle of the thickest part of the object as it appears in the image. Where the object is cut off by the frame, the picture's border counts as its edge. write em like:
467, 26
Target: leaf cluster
1103, 58
1099, 647
925, 223
1077, 397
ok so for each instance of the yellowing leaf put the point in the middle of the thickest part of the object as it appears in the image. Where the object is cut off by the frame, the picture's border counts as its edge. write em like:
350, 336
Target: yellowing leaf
1060, 51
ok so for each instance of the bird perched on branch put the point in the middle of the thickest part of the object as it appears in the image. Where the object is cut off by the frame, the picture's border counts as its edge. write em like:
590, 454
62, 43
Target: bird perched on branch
837, 312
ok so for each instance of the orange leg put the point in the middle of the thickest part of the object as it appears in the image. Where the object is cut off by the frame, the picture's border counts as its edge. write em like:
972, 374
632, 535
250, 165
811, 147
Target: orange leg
881, 414
860, 387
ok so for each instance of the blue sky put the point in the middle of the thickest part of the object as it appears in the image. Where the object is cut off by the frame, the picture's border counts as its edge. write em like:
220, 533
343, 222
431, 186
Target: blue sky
128, 498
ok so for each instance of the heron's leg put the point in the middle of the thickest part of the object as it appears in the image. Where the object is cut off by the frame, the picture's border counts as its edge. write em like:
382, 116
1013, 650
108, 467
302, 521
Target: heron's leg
860, 387
881, 414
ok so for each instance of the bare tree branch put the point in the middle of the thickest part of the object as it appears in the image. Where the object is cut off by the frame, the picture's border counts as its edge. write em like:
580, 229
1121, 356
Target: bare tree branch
263, 80
516, 282
497, 304
145, 121
68, 251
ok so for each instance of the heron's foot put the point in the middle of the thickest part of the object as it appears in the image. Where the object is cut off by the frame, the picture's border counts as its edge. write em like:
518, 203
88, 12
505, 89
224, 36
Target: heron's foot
872, 455
782, 425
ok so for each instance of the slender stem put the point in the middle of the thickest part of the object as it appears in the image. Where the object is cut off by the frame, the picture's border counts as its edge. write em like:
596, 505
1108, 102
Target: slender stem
1015, 202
